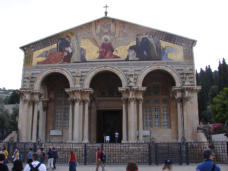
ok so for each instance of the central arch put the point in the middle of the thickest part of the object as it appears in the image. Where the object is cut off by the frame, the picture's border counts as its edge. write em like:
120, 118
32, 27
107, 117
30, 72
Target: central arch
105, 106
95, 71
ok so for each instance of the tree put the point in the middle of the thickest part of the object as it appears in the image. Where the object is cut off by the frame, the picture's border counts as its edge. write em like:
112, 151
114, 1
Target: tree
220, 107
12, 99
223, 75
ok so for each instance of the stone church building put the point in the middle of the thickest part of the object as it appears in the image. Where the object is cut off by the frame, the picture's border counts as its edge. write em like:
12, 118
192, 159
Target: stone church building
109, 76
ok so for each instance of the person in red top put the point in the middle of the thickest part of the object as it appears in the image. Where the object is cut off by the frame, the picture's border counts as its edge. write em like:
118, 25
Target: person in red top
98, 160
72, 161
132, 166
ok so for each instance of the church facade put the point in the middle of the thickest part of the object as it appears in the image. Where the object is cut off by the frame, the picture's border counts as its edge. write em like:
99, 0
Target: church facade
109, 76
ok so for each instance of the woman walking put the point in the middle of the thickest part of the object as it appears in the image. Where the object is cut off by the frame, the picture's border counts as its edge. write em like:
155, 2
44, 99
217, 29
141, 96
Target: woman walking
72, 161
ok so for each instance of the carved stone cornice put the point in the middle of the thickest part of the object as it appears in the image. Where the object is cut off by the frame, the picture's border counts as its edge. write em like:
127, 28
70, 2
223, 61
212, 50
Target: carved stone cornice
29, 95
184, 93
79, 94
86, 94
132, 93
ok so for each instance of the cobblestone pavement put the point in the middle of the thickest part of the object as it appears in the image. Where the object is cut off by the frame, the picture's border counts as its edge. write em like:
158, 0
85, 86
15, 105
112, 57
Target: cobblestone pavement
191, 167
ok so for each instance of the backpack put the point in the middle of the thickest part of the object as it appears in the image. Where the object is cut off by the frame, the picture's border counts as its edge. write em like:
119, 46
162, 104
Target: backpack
103, 157
34, 168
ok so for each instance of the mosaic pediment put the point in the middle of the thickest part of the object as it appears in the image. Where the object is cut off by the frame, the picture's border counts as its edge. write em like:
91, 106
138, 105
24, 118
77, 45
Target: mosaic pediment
108, 39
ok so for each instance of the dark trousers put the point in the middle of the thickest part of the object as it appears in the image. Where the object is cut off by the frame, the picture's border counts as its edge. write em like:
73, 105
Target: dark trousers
72, 166
54, 162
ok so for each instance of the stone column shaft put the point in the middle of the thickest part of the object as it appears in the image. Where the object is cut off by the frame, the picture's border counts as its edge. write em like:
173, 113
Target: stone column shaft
70, 122
30, 117
140, 122
80, 121
76, 122
132, 121
86, 123
124, 123
35, 119
180, 121
22, 120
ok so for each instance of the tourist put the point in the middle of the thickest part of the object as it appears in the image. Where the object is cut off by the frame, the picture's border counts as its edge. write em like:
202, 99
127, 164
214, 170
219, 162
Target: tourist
35, 164
55, 157
16, 155
72, 161
167, 165
132, 166
116, 136
50, 159
99, 162
2, 166
29, 155
5, 152
208, 163
17, 165
41, 155
107, 138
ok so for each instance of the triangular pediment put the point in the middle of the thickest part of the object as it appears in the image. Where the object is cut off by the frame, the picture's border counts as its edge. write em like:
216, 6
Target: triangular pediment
108, 39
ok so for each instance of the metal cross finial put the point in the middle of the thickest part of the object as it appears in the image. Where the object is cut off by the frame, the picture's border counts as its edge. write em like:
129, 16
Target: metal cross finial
106, 12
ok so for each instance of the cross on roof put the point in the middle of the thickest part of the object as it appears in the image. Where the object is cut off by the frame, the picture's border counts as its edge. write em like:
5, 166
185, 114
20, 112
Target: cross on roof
106, 12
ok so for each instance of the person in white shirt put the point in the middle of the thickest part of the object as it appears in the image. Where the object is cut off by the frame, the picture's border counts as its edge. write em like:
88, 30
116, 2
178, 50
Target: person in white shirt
35, 163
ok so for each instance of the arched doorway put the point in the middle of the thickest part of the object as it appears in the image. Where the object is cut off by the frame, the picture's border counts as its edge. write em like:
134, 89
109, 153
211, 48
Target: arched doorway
159, 115
57, 107
106, 107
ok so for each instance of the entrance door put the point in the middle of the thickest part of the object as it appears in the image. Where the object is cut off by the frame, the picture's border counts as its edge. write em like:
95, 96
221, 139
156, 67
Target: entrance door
108, 122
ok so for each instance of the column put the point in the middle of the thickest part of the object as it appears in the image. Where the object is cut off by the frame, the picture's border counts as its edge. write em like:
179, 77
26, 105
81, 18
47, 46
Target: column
180, 119
124, 122
76, 121
131, 120
35, 116
23, 124
86, 122
43, 117
70, 121
140, 121
30, 119
80, 122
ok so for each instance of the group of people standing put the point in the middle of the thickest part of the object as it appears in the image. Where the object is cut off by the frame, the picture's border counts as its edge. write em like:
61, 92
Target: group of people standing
35, 160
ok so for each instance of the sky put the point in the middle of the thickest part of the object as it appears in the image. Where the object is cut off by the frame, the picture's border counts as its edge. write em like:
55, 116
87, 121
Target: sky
26, 21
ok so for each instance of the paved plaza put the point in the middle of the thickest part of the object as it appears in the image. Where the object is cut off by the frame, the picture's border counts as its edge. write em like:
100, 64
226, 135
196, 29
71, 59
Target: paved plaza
191, 167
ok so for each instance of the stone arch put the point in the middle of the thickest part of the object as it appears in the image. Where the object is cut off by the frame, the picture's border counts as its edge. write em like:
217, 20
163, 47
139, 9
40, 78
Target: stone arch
92, 73
62, 71
168, 69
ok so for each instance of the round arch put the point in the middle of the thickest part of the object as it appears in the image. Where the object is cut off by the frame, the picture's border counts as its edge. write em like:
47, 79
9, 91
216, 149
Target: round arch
168, 69
62, 71
92, 73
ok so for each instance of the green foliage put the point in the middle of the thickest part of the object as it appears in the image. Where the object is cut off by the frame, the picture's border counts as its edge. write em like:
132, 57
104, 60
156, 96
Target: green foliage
12, 99
8, 121
4, 118
212, 83
219, 108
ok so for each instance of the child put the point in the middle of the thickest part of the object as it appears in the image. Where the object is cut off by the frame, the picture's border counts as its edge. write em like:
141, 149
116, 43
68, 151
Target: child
167, 166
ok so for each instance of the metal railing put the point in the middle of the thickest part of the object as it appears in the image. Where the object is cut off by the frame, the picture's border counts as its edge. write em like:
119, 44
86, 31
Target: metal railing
121, 153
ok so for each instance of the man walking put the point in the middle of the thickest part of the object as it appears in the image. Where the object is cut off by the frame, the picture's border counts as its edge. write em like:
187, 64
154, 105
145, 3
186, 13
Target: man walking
55, 157
35, 164
208, 163
99, 162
